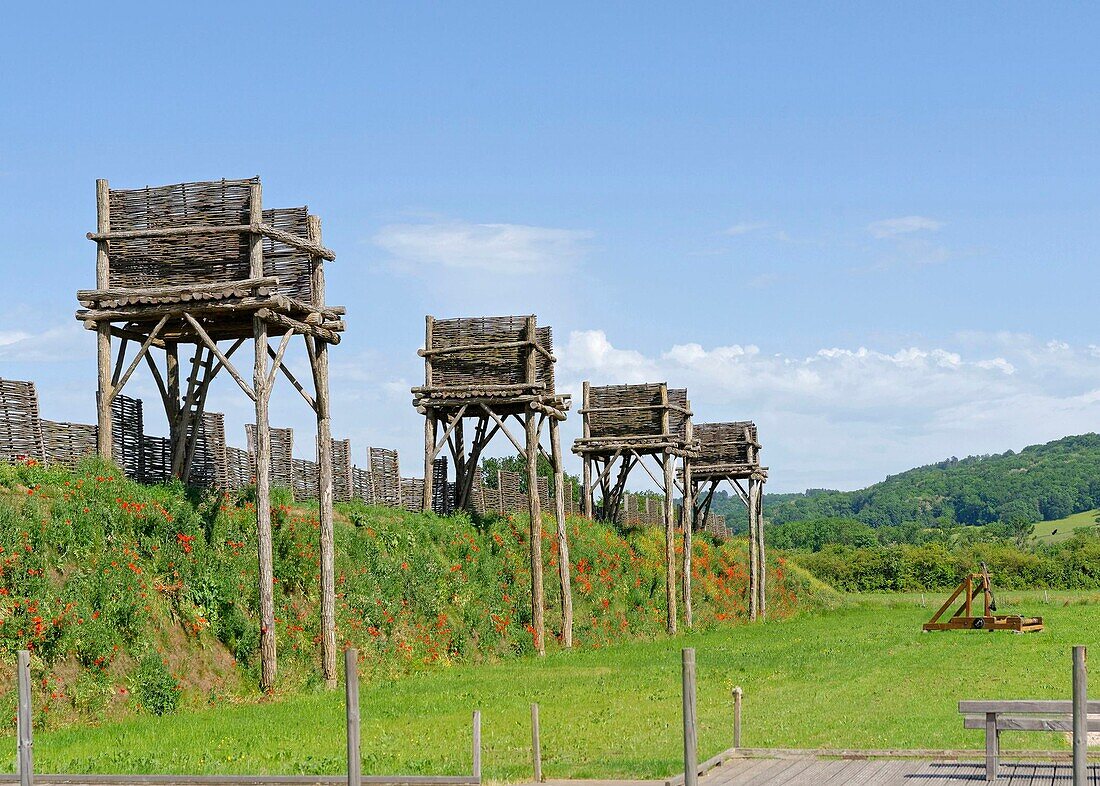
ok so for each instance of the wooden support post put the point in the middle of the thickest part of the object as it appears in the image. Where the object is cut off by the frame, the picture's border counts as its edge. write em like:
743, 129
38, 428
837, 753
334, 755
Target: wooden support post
737, 696
26, 732
668, 464
268, 661
754, 592
1080, 717
538, 598
351, 703
586, 431
762, 558
104, 390
536, 745
691, 733
477, 746
172, 382
430, 421
323, 407
687, 521
992, 746
563, 537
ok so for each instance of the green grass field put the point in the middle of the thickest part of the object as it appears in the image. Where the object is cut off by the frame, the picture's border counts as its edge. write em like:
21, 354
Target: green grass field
863, 676
1062, 529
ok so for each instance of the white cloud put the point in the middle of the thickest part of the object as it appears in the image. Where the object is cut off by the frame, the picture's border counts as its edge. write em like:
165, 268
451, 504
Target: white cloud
64, 342
496, 248
847, 416
744, 228
892, 227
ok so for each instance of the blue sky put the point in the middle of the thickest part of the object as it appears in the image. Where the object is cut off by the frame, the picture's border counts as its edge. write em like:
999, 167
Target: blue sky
870, 227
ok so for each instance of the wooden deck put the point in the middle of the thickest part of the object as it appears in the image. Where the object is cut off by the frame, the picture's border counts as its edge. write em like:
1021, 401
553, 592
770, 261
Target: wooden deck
816, 771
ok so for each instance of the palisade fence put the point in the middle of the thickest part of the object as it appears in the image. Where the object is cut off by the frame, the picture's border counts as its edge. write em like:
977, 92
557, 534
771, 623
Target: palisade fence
146, 458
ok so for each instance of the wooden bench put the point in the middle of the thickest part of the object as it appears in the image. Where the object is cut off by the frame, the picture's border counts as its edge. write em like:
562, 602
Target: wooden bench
998, 716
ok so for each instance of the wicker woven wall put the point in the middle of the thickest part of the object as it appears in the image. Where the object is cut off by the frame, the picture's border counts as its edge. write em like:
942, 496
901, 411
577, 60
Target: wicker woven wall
626, 423
304, 479
282, 454
442, 493
20, 428
145, 263
492, 366
727, 443
412, 494
68, 443
342, 483
385, 475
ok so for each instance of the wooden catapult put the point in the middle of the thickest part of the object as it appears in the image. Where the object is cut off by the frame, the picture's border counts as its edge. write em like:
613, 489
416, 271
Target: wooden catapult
964, 619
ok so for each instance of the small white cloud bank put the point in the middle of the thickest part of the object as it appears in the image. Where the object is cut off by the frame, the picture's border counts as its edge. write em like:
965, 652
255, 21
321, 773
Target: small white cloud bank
905, 225
847, 416
496, 248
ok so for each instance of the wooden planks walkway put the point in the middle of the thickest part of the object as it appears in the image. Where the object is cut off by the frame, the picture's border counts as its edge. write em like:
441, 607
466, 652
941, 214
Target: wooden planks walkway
815, 771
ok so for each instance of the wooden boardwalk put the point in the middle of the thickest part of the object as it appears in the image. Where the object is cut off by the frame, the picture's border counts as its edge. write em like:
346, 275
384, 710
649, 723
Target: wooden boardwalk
817, 771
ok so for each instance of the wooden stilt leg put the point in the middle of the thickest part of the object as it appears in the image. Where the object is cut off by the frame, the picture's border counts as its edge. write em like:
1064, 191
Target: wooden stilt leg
563, 537
103, 330
668, 461
687, 520
753, 571
538, 600
268, 666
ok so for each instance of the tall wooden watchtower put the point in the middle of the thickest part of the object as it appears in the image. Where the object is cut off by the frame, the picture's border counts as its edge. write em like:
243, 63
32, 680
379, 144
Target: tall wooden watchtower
731, 452
485, 371
204, 265
623, 426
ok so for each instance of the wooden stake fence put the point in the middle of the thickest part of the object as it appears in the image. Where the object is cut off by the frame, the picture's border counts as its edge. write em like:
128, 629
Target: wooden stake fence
691, 732
26, 733
536, 745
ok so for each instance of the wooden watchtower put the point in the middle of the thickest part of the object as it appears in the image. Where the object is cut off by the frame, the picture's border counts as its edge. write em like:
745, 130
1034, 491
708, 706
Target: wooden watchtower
485, 371
731, 452
623, 425
205, 265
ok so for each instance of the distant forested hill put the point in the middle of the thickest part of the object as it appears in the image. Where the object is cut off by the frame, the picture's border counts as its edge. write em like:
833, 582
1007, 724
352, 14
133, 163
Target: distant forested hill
1040, 483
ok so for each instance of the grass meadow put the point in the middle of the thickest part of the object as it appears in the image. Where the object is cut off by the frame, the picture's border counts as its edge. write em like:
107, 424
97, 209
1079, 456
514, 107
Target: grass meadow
860, 676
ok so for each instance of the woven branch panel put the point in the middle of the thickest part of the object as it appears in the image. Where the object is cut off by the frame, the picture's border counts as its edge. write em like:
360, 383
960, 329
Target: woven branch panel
305, 479
68, 443
442, 497
362, 485
282, 454
716, 526
626, 411
385, 477
489, 365
412, 494
342, 483
727, 443
543, 486
570, 499
239, 464
209, 466
156, 460
153, 262
512, 499
20, 427
127, 431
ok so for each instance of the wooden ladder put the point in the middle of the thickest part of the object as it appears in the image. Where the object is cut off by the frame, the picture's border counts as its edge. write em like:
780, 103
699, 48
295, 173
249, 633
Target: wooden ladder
190, 414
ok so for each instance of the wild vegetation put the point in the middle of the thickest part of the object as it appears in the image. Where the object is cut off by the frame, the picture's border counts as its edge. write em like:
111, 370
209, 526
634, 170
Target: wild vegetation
142, 599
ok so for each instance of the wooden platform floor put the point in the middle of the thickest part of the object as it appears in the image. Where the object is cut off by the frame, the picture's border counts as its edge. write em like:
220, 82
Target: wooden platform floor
813, 771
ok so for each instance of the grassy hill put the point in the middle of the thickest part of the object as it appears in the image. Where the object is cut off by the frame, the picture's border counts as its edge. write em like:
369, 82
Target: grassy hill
1060, 530
139, 599
1040, 483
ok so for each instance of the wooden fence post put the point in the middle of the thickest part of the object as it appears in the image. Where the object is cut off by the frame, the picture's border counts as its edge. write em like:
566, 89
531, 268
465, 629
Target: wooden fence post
737, 693
536, 746
691, 737
26, 733
477, 746
1080, 718
351, 693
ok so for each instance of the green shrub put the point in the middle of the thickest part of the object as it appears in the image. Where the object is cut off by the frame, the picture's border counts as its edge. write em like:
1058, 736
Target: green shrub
155, 687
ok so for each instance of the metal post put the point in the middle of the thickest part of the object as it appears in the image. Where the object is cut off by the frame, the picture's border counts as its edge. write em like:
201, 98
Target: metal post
477, 746
737, 693
536, 747
1080, 718
26, 733
351, 674
691, 740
